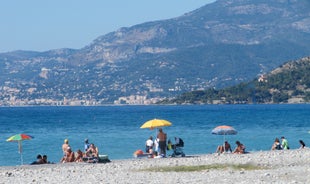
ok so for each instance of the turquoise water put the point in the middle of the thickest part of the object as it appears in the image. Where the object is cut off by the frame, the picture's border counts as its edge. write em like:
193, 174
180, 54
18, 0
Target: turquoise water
116, 129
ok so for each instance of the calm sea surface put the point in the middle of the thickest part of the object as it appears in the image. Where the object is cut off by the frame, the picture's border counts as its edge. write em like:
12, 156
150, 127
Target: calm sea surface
116, 129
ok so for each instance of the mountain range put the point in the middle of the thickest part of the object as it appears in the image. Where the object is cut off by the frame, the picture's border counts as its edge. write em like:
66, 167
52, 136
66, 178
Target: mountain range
218, 45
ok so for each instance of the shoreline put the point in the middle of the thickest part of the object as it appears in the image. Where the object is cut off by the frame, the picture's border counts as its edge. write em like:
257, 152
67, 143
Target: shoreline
281, 166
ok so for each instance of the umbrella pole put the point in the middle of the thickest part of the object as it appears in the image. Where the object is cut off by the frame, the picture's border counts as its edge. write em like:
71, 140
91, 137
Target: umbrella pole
20, 151
21, 159
224, 145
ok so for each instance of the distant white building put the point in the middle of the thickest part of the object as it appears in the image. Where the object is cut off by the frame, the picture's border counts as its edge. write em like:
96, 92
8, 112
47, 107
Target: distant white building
262, 78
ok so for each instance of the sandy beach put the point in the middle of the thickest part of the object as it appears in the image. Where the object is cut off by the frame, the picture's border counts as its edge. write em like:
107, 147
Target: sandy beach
285, 166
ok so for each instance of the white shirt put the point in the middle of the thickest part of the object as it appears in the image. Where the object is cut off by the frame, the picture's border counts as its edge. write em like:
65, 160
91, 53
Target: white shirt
156, 144
149, 142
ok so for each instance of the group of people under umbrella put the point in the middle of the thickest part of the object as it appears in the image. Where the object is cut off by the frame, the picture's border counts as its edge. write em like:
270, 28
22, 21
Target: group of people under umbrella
227, 130
157, 148
91, 151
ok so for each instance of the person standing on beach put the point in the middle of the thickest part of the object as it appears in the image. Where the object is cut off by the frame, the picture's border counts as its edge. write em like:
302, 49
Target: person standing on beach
86, 145
284, 143
162, 137
156, 146
65, 146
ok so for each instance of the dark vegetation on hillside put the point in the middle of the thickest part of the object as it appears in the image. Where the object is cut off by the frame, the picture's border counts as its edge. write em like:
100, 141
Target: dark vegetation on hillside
289, 83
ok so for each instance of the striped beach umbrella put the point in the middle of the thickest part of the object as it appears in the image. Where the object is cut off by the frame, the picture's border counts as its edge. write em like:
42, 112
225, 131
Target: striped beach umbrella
224, 130
19, 138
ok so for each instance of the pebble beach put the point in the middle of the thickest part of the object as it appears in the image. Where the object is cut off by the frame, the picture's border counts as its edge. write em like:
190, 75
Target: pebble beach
284, 166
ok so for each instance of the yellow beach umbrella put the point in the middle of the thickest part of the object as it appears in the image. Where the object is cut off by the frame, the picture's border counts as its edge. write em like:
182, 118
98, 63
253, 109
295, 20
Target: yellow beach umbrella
156, 123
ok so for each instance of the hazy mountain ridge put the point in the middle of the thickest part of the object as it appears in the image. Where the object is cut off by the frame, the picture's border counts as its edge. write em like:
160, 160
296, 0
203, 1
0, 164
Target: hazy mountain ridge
217, 45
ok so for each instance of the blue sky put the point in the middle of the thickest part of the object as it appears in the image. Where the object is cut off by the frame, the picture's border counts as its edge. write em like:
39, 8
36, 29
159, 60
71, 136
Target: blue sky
41, 25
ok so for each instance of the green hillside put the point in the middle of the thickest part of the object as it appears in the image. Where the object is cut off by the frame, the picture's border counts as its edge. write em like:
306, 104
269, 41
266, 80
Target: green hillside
289, 83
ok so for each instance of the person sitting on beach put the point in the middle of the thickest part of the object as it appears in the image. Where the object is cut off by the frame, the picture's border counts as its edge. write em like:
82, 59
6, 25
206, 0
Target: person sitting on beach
38, 161
69, 157
220, 148
79, 156
302, 144
44, 159
92, 151
284, 143
276, 145
240, 149
149, 144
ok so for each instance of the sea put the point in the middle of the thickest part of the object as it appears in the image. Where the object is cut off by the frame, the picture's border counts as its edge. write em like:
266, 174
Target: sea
116, 131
